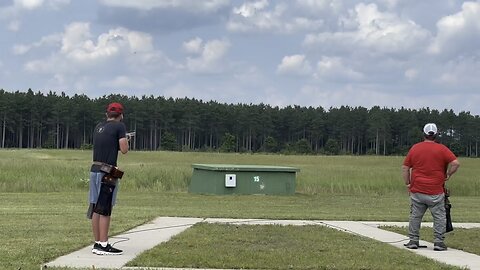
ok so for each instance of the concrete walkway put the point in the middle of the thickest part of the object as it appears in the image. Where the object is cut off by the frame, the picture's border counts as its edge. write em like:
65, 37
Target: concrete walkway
162, 229
135, 241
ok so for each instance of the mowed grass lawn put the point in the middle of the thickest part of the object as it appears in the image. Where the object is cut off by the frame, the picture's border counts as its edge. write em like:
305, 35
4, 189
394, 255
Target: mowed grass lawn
278, 247
43, 198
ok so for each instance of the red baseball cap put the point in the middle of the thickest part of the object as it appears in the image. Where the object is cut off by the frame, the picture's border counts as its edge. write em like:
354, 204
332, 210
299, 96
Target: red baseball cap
115, 107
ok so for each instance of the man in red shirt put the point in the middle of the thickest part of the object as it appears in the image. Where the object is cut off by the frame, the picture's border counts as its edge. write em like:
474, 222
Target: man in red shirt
425, 169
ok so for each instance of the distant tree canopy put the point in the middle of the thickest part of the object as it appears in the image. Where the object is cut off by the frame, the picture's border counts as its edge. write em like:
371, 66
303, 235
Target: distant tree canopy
37, 120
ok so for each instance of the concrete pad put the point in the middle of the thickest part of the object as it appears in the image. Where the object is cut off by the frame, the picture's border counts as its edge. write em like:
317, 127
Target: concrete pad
364, 230
139, 239
451, 256
162, 229
261, 222
424, 224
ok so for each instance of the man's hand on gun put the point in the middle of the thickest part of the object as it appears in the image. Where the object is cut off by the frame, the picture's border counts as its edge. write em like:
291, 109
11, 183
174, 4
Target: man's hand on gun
130, 135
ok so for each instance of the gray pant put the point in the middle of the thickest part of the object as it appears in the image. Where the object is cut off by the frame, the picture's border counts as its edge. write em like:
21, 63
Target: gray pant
419, 204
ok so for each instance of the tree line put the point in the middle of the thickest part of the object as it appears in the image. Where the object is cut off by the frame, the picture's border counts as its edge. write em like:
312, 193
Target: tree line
37, 120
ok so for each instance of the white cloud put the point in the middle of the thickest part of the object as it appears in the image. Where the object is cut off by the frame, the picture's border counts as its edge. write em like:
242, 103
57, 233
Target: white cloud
81, 60
320, 5
461, 72
15, 13
253, 16
193, 46
218, 91
294, 64
257, 17
210, 58
302, 24
249, 9
411, 74
391, 4
128, 83
77, 44
367, 96
36, 4
272, 98
44, 66
57, 4
458, 34
10, 14
14, 25
21, 49
331, 95
191, 5
250, 75
374, 31
179, 90
28, 4
50, 40
333, 69
153, 63
448, 78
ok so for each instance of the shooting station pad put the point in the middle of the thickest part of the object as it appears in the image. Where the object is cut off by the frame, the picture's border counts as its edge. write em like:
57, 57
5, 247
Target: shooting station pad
162, 229
242, 179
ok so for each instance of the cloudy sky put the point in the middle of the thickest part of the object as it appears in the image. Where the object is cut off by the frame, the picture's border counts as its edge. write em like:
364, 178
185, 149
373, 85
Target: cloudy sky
325, 53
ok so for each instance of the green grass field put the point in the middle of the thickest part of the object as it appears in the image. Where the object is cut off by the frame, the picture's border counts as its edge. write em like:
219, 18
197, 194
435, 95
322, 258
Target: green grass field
63, 170
43, 196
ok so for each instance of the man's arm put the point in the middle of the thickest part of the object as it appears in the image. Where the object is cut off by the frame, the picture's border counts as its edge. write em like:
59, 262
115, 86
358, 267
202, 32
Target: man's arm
452, 168
406, 175
123, 142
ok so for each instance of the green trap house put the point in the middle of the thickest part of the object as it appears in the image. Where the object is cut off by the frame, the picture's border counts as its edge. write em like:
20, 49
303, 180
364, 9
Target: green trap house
242, 179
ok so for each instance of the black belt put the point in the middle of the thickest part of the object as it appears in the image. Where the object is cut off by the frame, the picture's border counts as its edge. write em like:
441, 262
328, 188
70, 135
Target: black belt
97, 166
101, 163
111, 170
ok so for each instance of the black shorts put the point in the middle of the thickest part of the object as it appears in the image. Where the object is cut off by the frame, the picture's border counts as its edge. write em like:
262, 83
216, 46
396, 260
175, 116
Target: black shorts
104, 203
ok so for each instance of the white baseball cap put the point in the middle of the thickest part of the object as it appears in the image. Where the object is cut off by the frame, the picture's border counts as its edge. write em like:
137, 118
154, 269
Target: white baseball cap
430, 129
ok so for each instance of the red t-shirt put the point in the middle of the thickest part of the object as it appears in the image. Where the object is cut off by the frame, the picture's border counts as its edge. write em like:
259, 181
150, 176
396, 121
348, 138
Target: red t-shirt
429, 162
